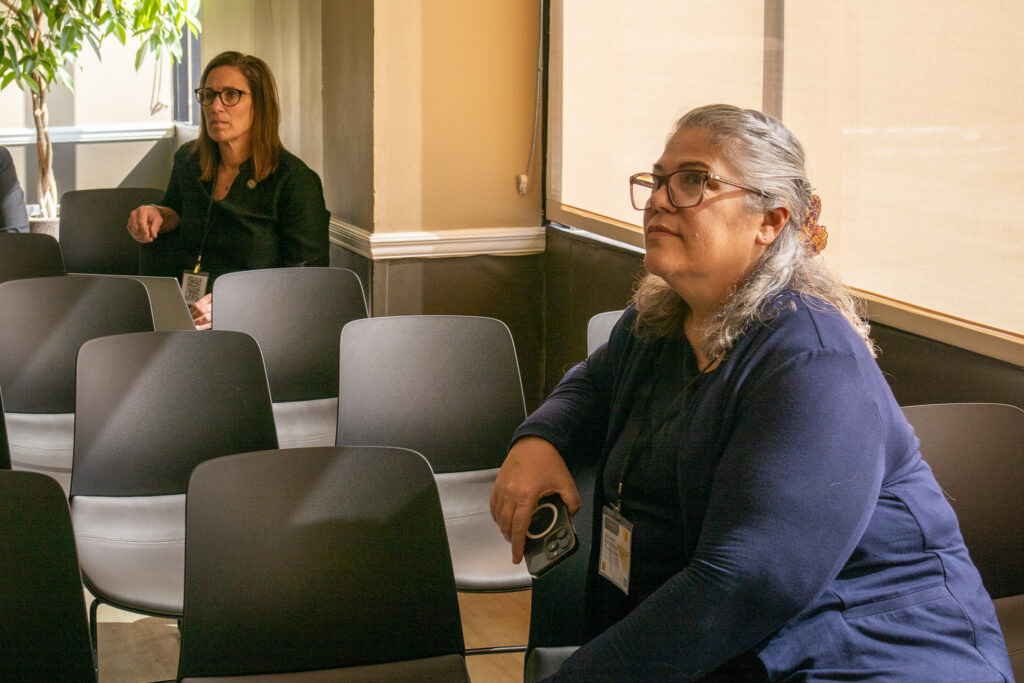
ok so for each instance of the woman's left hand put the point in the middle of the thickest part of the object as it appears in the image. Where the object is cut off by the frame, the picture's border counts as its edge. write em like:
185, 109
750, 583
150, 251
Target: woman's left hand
202, 312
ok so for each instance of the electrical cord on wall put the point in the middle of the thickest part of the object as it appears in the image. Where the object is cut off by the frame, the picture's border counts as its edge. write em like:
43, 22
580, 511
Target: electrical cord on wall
523, 180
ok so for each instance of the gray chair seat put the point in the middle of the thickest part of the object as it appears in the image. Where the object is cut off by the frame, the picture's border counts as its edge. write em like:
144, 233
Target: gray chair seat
134, 548
42, 442
481, 556
306, 423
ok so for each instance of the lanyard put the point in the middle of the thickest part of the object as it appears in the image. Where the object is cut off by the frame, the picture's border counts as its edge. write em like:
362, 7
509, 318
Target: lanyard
206, 223
649, 436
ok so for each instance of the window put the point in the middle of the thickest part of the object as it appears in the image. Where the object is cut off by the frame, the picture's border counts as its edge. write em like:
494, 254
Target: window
911, 114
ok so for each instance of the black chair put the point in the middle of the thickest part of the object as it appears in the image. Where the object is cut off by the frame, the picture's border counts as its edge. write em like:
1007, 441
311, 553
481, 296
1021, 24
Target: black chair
976, 451
45, 321
296, 316
43, 631
150, 407
318, 564
93, 229
29, 254
448, 387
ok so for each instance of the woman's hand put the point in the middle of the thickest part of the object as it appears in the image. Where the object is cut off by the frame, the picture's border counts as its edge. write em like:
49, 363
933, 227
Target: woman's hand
533, 468
144, 223
202, 312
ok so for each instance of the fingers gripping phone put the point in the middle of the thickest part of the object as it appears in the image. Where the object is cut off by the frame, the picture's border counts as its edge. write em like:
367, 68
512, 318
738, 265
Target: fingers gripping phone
550, 537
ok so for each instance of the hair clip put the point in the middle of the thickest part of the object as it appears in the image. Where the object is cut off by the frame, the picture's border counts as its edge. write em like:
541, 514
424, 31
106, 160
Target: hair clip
814, 235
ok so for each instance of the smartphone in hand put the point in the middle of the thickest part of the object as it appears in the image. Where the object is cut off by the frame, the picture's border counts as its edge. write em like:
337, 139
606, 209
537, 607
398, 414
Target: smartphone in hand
550, 537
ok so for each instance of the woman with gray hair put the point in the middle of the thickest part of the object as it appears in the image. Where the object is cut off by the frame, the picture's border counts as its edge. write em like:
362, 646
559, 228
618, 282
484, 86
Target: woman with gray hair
762, 511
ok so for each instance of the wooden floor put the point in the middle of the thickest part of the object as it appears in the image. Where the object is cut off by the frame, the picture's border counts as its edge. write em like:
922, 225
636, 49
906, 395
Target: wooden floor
136, 648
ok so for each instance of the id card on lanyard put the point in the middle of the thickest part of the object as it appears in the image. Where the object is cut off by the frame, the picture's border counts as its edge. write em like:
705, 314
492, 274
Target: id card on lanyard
193, 284
616, 542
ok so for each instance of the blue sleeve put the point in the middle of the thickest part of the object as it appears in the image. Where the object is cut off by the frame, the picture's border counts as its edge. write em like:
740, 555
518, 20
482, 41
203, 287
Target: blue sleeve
303, 220
792, 494
574, 418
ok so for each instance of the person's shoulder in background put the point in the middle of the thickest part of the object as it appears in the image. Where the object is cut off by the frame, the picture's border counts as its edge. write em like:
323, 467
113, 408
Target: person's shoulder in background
13, 213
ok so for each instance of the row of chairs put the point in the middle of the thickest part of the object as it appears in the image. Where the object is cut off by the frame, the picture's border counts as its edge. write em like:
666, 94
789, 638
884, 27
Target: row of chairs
93, 238
385, 404
326, 563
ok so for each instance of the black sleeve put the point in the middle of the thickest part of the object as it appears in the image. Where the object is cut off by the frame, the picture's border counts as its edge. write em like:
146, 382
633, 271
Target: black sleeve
303, 219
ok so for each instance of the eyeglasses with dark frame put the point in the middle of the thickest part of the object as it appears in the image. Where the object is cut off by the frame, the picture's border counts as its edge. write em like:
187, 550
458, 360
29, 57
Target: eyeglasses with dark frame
229, 97
685, 187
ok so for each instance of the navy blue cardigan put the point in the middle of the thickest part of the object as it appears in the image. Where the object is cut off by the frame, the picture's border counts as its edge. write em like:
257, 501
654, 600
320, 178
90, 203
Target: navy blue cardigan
815, 536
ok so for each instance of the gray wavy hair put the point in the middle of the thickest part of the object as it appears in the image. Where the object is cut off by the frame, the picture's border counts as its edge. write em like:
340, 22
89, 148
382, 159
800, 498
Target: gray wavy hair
769, 157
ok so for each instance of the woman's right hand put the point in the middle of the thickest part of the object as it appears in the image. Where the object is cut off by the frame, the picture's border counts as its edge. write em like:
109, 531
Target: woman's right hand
533, 468
144, 223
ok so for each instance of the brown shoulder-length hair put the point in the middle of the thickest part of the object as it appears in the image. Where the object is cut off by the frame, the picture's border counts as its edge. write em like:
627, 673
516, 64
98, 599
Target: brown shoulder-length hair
265, 141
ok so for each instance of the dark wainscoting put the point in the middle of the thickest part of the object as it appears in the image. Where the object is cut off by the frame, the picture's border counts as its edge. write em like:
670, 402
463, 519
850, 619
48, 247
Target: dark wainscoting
583, 277
922, 370
547, 299
508, 288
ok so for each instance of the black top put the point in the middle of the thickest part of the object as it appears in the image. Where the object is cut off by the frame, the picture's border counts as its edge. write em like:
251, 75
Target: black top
13, 215
279, 221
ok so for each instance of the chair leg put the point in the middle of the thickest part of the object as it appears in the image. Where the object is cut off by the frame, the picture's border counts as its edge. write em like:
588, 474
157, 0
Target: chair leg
94, 634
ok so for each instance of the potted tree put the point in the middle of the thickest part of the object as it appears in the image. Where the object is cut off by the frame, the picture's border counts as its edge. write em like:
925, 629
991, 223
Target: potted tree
40, 38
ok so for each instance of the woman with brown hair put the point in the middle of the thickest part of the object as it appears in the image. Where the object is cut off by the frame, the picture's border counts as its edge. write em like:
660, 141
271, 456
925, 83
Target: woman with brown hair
237, 199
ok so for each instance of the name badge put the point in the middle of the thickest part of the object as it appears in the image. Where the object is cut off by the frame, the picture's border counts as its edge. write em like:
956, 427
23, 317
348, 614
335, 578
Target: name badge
193, 286
616, 539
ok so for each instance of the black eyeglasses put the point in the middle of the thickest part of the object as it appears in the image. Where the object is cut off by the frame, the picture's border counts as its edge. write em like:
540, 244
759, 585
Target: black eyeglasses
685, 188
228, 96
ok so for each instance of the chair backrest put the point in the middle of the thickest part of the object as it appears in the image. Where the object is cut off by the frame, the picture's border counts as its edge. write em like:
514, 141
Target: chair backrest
296, 315
976, 451
599, 328
152, 405
93, 233
446, 386
29, 254
44, 633
319, 559
170, 312
46, 320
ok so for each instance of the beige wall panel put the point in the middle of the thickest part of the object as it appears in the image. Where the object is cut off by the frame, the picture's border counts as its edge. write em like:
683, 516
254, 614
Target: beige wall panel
14, 112
112, 91
348, 133
454, 84
286, 35
127, 164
